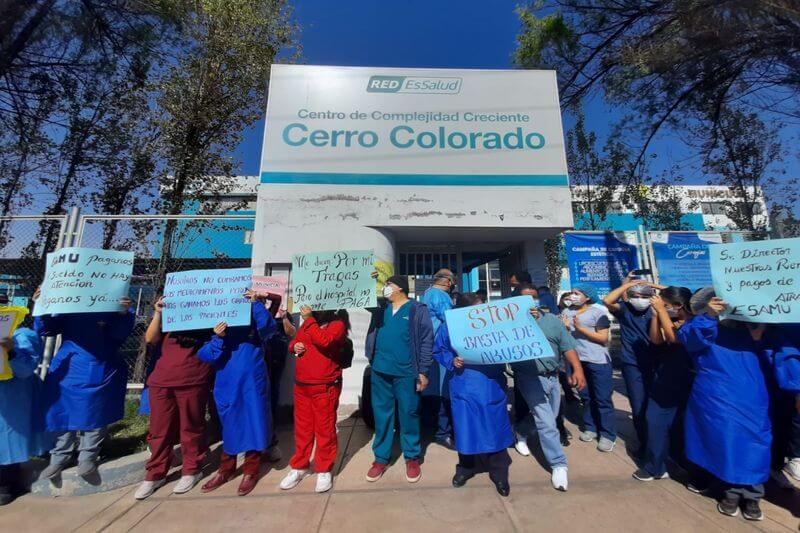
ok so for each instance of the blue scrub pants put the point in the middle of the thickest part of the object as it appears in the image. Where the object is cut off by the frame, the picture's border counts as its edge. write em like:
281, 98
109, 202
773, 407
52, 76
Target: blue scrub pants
598, 409
637, 383
663, 434
386, 390
785, 428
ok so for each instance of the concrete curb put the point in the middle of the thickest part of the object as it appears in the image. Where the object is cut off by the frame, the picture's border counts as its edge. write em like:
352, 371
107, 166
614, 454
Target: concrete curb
110, 475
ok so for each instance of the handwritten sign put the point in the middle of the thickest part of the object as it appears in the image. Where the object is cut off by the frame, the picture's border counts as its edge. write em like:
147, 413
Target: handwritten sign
10, 318
497, 333
263, 285
760, 280
201, 299
84, 280
334, 280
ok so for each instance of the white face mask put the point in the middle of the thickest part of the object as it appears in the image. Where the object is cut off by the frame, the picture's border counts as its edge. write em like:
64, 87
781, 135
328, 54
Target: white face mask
387, 291
576, 300
640, 304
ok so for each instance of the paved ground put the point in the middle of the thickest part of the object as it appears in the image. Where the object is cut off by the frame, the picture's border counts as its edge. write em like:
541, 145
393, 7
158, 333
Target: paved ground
602, 497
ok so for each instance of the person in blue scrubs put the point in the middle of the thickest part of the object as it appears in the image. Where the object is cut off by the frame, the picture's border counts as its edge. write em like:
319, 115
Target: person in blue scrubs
670, 386
480, 418
20, 421
241, 394
436, 397
84, 390
630, 305
728, 429
785, 414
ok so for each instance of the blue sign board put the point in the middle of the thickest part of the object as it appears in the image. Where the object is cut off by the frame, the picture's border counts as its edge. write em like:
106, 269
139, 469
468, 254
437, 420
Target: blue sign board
201, 299
682, 259
599, 259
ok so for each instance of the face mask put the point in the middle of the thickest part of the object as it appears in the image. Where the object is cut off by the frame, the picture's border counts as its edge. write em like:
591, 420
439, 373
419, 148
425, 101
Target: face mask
672, 312
640, 304
387, 291
577, 300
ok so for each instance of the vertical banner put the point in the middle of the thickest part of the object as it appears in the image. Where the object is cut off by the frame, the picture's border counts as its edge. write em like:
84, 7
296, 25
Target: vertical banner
84, 280
600, 259
682, 259
760, 280
334, 280
497, 333
201, 299
10, 319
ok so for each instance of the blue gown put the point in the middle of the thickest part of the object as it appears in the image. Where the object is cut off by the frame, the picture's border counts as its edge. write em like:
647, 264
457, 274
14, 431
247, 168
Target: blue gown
478, 397
728, 429
438, 302
21, 433
87, 379
241, 387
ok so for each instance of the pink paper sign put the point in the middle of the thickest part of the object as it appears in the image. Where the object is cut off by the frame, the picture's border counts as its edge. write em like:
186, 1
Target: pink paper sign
270, 285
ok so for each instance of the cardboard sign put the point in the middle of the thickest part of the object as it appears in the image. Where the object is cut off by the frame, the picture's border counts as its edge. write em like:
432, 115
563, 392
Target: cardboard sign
499, 332
334, 280
760, 280
10, 319
84, 280
263, 285
201, 299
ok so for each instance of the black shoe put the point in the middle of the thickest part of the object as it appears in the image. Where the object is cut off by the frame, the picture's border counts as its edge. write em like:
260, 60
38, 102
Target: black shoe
697, 489
6, 498
566, 436
447, 442
752, 511
643, 475
728, 506
503, 489
459, 480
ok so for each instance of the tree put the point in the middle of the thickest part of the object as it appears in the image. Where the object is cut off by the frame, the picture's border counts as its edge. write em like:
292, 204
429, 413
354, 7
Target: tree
668, 58
740, 152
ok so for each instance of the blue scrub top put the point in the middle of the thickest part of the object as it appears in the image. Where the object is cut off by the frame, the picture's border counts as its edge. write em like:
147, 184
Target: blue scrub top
393, 349
634, 334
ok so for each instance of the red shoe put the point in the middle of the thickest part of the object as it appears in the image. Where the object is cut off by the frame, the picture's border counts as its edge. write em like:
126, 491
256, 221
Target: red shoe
413, 471
376, 471
215, 482
247, 485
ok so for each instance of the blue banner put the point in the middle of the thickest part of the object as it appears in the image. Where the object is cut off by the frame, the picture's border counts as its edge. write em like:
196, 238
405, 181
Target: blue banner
201, 299
682, 258
599, 259
499, 332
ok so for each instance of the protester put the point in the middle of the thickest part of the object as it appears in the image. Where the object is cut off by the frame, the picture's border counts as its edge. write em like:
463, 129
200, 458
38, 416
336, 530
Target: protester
670, 385
537, 382
84, 390
439, 300
241, 394
785, 415
276, 349
590, 327
399, 348
516, 279
547, 301
20, 416
318, 385
630, 304
480, 419
728, 431
178, 390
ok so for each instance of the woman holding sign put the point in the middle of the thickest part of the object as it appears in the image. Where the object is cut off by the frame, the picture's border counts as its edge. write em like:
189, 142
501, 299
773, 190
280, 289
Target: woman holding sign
318, 347
84, 390
241, 393
480, 418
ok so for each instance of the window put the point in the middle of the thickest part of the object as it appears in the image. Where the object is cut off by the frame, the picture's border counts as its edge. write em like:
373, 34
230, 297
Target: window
713, 208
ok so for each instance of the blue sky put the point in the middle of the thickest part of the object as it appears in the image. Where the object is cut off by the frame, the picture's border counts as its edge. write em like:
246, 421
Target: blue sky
446, 34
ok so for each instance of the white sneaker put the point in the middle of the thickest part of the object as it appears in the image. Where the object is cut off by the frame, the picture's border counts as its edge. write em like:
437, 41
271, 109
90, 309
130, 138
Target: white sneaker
324, 482
274, 454
186, 483
793, 468
293, 478
522, 446
147, 488
559, 478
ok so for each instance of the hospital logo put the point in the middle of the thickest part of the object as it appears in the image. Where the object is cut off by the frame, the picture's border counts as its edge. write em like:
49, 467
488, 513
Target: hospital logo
413, 84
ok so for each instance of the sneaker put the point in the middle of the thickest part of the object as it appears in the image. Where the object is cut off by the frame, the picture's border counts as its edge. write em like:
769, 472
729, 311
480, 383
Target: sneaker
324, 482
728, 506
293, 478
413, 471
752, 511
644, 475
376, 471
147, 488
587, 436
559, 478
522, 447
87, 468
51, 471
186, 483
691, 487
793, 468
273, 454
606, 445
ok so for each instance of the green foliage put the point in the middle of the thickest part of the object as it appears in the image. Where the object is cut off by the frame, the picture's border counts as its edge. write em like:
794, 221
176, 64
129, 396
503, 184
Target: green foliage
129, 435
